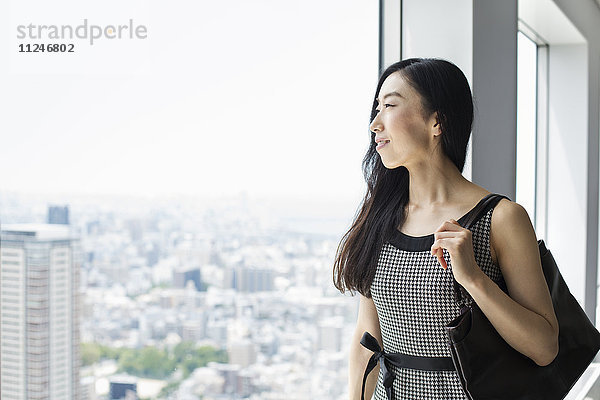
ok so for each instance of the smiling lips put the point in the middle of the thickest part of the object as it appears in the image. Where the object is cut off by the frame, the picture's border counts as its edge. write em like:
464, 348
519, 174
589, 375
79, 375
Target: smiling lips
381, 143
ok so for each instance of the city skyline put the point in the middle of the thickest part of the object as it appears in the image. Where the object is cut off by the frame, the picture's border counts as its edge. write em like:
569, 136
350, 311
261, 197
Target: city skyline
215, 280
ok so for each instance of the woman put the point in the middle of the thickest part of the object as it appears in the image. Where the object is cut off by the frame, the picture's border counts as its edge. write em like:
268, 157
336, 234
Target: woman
407, 240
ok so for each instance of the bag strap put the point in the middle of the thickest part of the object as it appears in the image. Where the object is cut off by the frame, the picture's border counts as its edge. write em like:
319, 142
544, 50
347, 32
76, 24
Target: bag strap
483, 207
461, 296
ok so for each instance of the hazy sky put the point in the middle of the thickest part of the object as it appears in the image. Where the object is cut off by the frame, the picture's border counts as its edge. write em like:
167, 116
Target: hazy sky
221, 97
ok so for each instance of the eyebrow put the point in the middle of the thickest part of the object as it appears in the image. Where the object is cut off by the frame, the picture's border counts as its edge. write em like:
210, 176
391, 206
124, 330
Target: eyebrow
388, 95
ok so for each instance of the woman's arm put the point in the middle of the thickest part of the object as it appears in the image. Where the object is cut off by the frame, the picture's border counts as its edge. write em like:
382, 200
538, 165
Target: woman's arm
526, 319
359, 354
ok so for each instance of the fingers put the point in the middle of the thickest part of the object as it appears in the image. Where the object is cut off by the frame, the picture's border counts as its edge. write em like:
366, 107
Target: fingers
450, 225
442, 261
439, 253
447, 230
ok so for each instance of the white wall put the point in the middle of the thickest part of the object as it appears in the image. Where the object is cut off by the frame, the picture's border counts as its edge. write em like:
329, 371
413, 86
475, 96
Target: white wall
437, 29
567, 169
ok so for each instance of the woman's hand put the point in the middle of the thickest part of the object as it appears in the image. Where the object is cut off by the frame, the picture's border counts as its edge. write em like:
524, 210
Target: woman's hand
459, 244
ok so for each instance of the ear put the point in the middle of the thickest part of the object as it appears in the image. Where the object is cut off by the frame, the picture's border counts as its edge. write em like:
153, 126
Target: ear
436, 126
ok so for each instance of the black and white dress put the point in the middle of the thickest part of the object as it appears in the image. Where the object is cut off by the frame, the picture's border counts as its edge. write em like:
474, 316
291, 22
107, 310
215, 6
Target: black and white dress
414, 299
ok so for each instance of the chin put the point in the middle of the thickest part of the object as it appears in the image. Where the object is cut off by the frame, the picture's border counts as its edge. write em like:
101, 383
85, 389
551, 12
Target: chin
390, 165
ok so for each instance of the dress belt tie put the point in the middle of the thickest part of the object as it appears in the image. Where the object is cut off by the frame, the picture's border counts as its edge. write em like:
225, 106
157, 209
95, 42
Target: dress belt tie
399, 360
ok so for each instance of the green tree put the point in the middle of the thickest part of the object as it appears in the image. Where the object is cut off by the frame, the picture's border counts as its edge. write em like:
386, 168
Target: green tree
90, 353
128, 361
149, 362
153, 362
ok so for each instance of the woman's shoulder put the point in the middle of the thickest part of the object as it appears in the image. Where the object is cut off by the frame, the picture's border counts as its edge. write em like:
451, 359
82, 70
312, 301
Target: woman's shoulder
507, 217
476, 192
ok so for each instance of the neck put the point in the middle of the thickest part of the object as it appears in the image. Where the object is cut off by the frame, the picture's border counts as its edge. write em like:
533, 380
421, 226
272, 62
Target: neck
434, 183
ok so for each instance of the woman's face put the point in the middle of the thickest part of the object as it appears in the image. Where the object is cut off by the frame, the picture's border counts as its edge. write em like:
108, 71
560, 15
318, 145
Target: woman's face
400, 120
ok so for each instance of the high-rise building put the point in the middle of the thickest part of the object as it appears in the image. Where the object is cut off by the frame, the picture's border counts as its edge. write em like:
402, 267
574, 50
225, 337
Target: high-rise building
123, 387
181, 277
39, 317
249, 279
58, 215
242, 352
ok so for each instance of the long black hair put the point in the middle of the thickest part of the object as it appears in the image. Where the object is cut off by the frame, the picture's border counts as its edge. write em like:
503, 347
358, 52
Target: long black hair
443, 89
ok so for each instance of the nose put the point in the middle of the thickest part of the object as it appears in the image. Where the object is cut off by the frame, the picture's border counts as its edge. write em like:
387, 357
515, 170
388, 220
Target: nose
375, 125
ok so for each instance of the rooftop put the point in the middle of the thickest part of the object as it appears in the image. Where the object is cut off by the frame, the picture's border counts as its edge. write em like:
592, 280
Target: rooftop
38, 231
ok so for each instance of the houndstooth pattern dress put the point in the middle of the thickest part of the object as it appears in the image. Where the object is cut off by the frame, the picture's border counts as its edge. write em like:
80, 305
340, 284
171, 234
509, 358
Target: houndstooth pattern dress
414, 299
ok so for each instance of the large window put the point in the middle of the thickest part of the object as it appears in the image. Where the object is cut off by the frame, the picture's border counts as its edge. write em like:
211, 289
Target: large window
209, 184
526, 123
532, 126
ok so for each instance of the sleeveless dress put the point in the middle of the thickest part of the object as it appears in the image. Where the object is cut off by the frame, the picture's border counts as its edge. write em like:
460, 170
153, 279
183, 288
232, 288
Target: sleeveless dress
414, 298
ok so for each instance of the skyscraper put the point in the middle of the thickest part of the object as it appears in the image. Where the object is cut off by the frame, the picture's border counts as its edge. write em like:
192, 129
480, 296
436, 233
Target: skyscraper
182, 275
58, 215
39, 317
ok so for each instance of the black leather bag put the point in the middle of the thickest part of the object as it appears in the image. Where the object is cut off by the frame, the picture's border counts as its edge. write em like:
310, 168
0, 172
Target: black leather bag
489, 368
